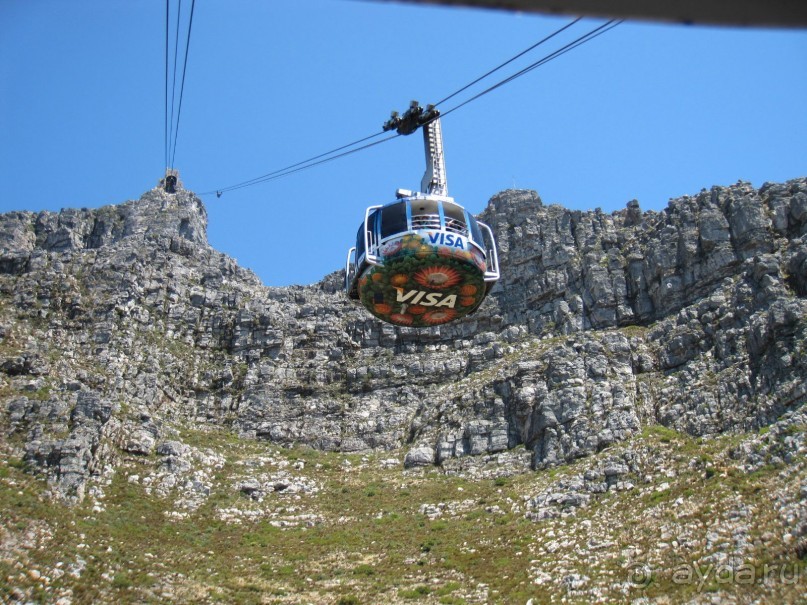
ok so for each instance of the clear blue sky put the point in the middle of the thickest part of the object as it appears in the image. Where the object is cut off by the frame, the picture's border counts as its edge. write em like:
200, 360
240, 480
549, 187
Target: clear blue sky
646, 111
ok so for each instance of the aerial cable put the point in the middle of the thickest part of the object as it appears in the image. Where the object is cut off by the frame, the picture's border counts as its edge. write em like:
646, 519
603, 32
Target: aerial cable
182, 87
299, 166
174, 84
171, 126
165, 131
260, 179
310, 163
543, 61
265, 177
510, 60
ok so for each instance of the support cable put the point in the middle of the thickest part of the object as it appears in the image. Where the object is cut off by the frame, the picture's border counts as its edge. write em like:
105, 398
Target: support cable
165, 131
182, 87
265, 177
174, 84
311, 162
554, 55
510, 60
290, 170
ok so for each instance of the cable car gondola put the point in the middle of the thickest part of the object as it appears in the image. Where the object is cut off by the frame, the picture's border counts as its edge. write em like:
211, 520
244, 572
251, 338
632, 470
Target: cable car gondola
421, 260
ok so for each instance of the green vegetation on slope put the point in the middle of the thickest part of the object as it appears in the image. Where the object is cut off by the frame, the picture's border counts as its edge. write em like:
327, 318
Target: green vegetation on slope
370, 533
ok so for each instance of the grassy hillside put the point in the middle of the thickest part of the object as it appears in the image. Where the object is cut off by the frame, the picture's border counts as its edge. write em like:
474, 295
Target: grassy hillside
679, 517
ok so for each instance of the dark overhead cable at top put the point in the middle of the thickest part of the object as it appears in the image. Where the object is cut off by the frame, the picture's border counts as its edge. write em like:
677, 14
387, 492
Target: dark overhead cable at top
745, 13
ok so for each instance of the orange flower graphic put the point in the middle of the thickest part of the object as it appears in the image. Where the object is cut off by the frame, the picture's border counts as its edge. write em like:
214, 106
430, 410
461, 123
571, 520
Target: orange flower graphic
438, 277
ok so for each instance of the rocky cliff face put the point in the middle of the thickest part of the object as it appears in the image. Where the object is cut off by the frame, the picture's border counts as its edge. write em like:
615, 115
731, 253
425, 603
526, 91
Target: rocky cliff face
121, 325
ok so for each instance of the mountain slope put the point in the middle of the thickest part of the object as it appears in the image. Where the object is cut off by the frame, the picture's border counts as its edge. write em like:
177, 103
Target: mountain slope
126, 339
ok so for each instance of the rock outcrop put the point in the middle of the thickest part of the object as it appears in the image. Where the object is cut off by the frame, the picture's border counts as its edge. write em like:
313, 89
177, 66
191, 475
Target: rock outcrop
121, 325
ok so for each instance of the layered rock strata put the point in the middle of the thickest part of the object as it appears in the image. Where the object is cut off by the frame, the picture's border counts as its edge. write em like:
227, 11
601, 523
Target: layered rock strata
120, 326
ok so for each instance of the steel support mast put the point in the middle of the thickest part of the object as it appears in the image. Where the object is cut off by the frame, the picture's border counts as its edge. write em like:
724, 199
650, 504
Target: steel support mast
434, 179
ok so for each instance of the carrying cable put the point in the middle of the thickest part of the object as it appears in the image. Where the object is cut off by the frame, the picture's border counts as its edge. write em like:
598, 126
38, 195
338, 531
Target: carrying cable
510, 60
316, 160
276, 173
173, 83
182, 87
291, 169
312, 161
171, 132
561, 51
165, 132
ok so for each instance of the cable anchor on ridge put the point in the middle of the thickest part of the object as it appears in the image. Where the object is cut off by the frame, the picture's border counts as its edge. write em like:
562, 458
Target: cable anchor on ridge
170, 181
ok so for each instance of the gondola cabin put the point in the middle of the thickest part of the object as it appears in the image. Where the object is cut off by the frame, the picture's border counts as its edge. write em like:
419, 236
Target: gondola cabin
421, 261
